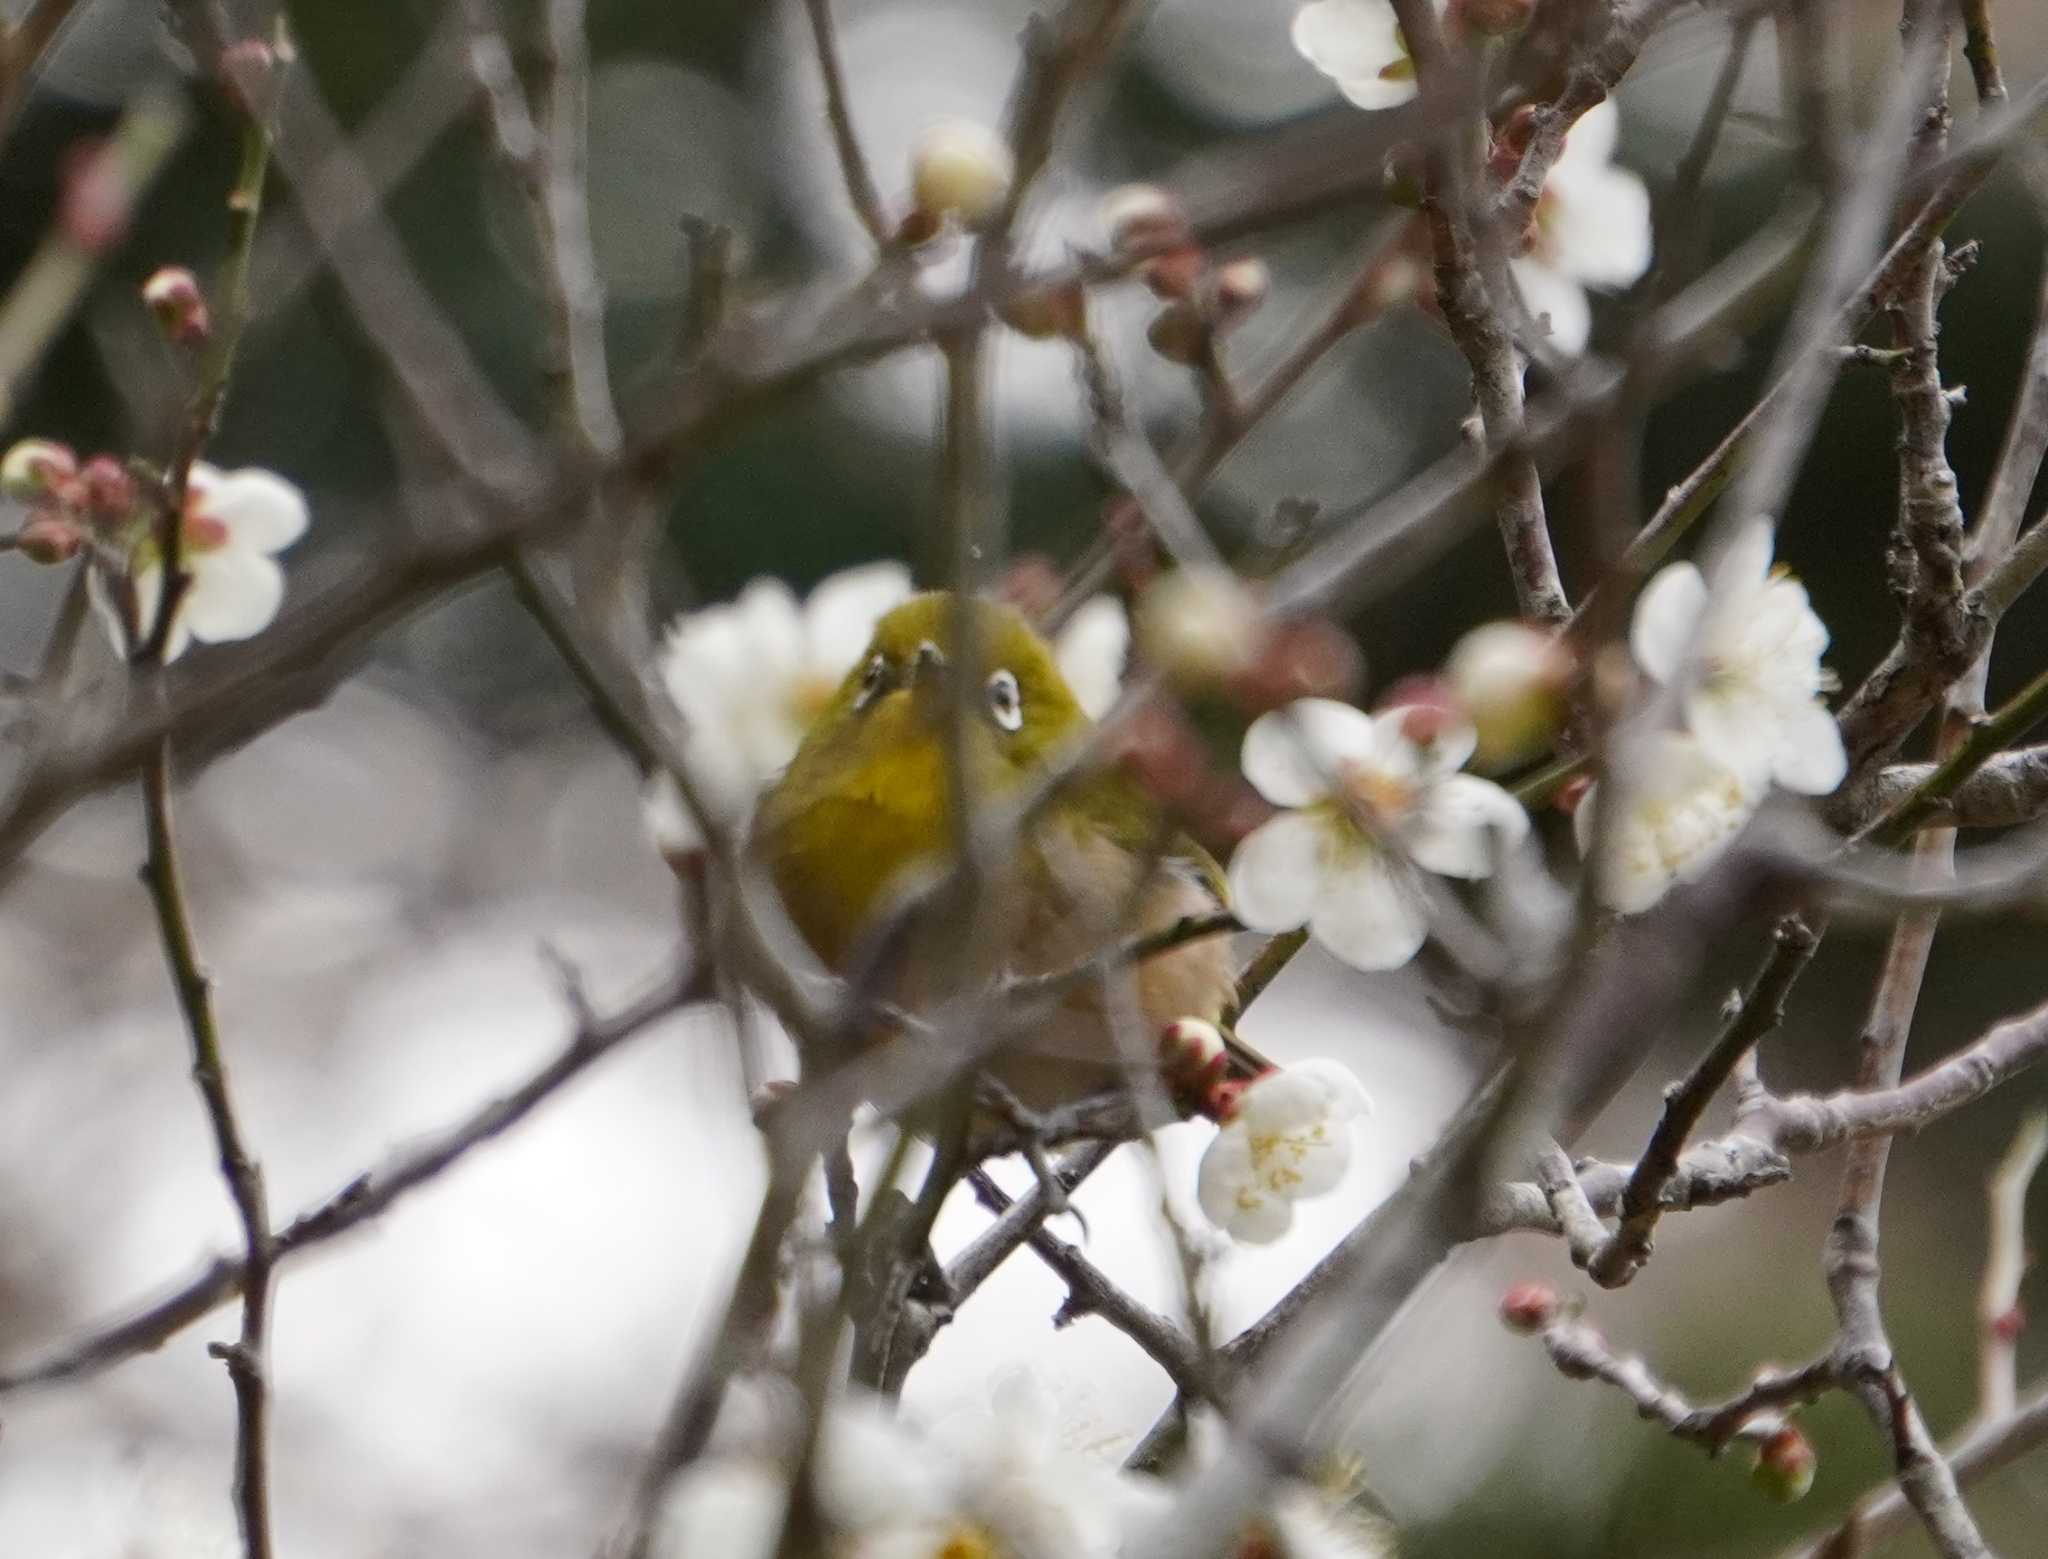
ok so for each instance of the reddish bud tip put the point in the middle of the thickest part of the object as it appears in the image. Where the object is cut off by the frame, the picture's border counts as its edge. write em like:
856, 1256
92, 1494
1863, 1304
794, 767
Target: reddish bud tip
107, 488
1528, 1307
1160, 751
1785, 1465
172, 295
1571, 795
1429, 708
49, 538
1490, 18
1221, 1102
247, 68
1308, 658
1176, 274
93, 203
2007, 1326
768, 1098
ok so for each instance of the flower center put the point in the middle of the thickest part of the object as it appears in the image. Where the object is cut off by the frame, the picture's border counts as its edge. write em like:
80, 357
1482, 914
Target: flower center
967, 1541
1382, 799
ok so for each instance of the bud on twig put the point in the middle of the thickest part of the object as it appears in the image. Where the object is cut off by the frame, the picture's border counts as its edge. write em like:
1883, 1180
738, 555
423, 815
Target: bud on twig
172, 294
49, 538
962, 170
1175, 274
1511, 679
1528, 1307
108, 490
248, 68
1048, 312
1785, 1464
1179, 334
1237, 291
34, 467
1143, 217
1199, 625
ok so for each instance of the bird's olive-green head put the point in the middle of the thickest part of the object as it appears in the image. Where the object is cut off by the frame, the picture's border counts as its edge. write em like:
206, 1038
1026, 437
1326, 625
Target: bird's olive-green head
868, 791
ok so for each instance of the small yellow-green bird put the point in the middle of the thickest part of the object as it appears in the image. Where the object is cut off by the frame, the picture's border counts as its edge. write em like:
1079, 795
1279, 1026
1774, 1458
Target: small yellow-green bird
864, 809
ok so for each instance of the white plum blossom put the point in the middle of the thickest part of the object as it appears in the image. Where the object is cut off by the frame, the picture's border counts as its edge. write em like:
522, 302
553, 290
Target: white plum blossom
1358, 45
235, 524
749, 676
1591, 229
1752, 692
1367, 803
1288, 1138
1684, 806
1091, 650
1301, 1521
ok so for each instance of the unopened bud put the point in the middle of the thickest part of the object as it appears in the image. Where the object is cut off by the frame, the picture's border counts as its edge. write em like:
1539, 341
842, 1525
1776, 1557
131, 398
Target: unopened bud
1238, 290
1308, 658
769, 1098
1143, 217
33, 468
1510, 140
1045, 313
1031, 584
1397, 279
1163, 755
1785, 1464
1571, 795
960, 169
1490, 18
1175, 274
1427, 708
172, 294
93, 203
1222, 1100
1528, 1307
247, 68
1199, 625
49, 538
1179, 334
1511, 679
1195, 1062
107, 488
2007, 1325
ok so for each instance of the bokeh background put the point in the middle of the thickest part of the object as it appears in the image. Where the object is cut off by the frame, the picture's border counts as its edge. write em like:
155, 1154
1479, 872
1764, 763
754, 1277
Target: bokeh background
375, 881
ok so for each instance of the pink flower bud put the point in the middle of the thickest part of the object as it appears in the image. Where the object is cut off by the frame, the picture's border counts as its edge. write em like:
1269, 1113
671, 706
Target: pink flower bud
1785, 1465
1189, 1045
1175, 274
1031, 584
768, 1098
247, 69
1428, 705
172, 294
1528, 1307
1222, 1100
1142, 218
93, 204
1310, 657
1490, 18
49, 538
2007, 1326
34, 467
1571, 795
1162, 753
107, 488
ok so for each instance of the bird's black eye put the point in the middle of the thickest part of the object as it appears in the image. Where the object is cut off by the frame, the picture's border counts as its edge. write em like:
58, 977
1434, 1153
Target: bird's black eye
1005, 703
871, 681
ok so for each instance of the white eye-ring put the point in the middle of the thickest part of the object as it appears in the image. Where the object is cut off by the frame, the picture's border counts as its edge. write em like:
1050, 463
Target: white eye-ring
1005, 703
871, 681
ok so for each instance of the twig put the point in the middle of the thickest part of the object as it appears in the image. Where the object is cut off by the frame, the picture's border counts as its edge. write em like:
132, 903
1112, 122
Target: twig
853, 163
1581, 1353
1091, 1291
577, 286
1999, 1315
246, 1358
259, 86
360, 1200
1622, 1254
1583, 1234
1978, 1452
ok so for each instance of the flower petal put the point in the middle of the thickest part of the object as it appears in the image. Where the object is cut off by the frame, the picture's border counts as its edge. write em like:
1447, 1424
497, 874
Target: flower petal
1736, 727
1810, 758
261, 510
1274, 871
1344, 1094
1403, 758
1548, 293
1229, 1197
1590, 141
234, 595
1667, 614
840, 616
1600, 236
1091, 650
1348, 38
1291, 755
1464, 824
667, 819
1369, 916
